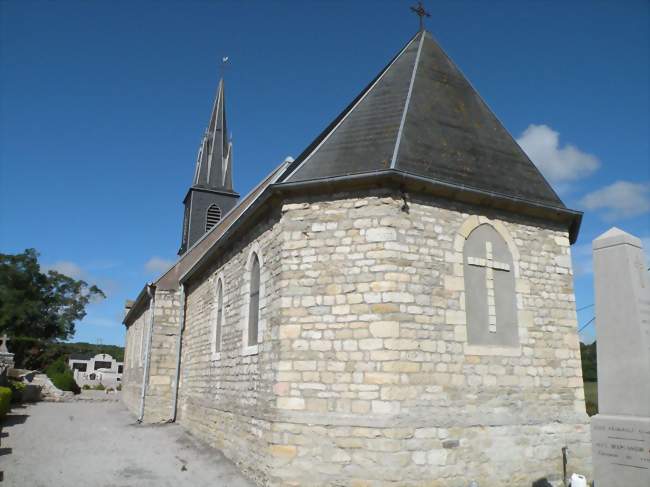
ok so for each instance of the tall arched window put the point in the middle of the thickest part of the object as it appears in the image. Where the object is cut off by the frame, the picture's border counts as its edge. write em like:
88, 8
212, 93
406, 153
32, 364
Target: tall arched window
217, 327
490, 298
254, 301
212, 217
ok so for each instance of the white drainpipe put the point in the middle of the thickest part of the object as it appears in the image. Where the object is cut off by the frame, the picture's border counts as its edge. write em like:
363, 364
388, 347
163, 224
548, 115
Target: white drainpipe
179, 343
151, 290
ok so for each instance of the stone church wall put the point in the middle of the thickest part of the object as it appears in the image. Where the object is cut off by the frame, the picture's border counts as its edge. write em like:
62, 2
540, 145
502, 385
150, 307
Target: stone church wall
376, 381
227, 400
134, 363
162, 367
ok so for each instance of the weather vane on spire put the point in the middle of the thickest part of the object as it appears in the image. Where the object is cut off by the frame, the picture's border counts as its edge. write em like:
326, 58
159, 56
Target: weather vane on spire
420, 12
224, 64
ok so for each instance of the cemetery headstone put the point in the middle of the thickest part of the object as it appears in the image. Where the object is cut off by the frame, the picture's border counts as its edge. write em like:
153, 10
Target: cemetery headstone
621, 429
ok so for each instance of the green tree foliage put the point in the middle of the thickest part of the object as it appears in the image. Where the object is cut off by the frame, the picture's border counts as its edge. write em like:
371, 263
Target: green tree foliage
35, 354
40, 305
589, 360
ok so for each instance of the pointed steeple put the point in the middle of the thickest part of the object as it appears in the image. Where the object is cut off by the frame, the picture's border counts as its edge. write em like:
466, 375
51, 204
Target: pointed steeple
211, 195
214, 160
422, 117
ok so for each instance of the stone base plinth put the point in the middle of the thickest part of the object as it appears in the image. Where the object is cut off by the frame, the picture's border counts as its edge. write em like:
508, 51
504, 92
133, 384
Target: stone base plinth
621, 450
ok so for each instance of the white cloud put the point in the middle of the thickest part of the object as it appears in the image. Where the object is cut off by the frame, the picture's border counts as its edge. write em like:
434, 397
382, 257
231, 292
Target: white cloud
157, 264
68, 268
622, 199
558, 164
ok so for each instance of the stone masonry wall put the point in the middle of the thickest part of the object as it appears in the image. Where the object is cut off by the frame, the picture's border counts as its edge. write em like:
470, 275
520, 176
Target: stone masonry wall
227, 399
162, 366
134, 362
162, 369
376, 382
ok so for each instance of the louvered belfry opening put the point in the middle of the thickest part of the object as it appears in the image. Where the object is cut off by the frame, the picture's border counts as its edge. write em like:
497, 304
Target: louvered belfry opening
213, 217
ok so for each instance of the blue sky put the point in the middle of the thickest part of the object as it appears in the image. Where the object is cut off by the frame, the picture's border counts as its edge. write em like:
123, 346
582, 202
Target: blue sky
102, 105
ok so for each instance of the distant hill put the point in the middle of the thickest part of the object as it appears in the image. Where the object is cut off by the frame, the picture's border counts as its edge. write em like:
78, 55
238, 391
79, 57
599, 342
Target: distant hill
33, 354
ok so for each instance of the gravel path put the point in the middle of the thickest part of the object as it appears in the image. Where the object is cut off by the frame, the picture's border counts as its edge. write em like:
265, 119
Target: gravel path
99, 444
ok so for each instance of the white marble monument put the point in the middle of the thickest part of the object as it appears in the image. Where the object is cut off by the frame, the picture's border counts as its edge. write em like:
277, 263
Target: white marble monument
621, 429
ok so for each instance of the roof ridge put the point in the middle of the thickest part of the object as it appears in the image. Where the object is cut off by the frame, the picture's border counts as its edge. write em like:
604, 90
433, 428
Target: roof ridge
400, 131
331, 128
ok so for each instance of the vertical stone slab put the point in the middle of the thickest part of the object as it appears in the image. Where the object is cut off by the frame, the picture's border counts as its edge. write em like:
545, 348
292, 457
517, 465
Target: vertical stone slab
621, 430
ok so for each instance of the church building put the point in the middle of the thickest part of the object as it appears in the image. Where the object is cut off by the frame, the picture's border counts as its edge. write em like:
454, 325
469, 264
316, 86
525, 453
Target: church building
393, 307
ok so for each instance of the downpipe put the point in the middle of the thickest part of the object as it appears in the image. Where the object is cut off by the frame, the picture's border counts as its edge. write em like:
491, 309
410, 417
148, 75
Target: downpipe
179, 344
151, 290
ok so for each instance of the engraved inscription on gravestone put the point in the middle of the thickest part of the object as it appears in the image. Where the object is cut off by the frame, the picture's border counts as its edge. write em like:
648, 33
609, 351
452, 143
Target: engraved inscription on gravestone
621, 429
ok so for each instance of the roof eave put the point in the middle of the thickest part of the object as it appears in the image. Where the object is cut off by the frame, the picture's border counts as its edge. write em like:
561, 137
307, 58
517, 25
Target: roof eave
446, 190
398, 179
138, 304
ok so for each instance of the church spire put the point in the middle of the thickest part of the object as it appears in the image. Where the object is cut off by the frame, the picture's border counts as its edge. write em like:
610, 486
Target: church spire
214, 160
211, 195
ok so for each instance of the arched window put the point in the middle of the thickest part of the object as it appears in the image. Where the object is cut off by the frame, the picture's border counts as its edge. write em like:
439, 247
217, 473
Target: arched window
212, 217
217, 326
254, 301
490, 299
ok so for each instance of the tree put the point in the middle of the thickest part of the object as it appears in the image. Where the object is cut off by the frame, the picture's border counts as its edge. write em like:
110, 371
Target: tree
589, 356
40, 305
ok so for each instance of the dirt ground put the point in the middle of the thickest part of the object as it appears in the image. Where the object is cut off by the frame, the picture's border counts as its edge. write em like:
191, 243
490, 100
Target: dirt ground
99, 444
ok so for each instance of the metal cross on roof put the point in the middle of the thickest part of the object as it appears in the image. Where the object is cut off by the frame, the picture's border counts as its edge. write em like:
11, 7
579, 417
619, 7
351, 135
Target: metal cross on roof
420, 12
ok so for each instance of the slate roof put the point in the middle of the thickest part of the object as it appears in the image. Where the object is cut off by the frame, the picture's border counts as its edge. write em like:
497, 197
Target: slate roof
421, 116
214, 160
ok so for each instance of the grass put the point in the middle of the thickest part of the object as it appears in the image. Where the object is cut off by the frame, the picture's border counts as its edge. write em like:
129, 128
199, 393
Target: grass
591, 397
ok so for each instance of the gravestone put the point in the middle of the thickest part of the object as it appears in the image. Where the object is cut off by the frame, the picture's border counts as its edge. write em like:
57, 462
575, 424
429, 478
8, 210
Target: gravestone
621, 429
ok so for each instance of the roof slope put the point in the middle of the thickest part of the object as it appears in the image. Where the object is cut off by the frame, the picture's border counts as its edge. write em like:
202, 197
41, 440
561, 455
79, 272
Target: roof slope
421, 116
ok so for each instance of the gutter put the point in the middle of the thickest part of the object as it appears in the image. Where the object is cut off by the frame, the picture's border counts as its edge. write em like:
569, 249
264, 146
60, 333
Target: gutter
179, 344
151, 291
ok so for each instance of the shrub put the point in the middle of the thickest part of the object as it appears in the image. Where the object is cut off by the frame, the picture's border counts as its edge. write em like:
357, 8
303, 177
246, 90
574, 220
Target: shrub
85, 387
17, 389
5, 400
119, 387
99, 387
61, 376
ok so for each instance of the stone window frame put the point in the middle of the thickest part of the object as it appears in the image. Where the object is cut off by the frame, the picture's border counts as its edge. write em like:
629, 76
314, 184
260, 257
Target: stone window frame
219, 281
463, 233
245, 289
